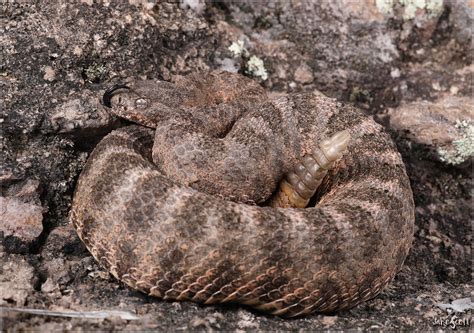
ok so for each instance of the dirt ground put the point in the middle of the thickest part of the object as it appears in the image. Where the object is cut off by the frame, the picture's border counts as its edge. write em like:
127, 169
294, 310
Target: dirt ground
57, 59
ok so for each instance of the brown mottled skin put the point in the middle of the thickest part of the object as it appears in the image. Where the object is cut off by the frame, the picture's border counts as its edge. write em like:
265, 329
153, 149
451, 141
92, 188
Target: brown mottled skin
182, 215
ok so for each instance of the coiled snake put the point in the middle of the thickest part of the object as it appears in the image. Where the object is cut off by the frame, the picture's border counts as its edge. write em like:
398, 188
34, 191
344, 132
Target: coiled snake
193, 203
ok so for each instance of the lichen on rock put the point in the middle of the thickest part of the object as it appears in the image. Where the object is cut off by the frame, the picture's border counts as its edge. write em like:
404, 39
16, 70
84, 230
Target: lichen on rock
445, 125
461, 149
238, 49
256, 67
410, 8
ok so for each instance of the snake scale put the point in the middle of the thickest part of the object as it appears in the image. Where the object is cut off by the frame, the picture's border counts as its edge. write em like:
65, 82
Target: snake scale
186, 204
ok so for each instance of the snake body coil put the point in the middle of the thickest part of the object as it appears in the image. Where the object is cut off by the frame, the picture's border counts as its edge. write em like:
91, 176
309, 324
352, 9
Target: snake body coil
179, 206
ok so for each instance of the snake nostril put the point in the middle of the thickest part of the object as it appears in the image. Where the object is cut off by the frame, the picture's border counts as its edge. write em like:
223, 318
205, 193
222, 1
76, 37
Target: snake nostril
109, 93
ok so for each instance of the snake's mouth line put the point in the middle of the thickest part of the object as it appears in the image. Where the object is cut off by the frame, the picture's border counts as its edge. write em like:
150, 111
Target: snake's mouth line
109, 93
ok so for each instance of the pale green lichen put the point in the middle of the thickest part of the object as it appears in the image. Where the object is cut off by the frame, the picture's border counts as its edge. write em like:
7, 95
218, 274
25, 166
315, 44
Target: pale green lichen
463, 148
95, 72
410, 7
256, 67
384, 6
238, 49
434, 6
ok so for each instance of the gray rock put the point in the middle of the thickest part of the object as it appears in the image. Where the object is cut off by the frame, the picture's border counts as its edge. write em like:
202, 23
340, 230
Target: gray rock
462, 20
62, 240
21, 214
21, 223
446, 125
16, 280
304, 74
354, 35
82, 117
458, 305
27, 191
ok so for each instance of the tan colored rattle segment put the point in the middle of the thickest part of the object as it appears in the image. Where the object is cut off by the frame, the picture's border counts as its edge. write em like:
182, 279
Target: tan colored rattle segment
299, 185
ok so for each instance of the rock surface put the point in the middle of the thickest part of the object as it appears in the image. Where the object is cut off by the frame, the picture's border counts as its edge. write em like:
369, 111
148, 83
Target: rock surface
16, 280
446, 125
57, 59
20, 220
21, 214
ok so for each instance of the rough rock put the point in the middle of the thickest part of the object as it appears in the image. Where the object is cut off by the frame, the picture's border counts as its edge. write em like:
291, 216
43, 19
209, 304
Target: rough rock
26, 191
446, 125
20, 220
16, 280
291, 33
462, 20
303, 74
62, 240
82, 117
21, 214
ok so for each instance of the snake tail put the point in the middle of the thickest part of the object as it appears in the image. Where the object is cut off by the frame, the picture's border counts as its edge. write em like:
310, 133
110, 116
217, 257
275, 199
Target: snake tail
298, 186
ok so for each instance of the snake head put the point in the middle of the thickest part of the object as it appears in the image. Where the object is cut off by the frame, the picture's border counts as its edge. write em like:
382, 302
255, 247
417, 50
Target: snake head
130, 101
127, 97
112, 91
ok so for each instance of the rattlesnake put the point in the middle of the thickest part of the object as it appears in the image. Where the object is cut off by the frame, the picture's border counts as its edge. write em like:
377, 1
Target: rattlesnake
188, 218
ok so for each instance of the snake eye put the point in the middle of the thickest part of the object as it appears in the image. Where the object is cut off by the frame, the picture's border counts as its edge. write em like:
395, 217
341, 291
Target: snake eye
141, 103
109, 93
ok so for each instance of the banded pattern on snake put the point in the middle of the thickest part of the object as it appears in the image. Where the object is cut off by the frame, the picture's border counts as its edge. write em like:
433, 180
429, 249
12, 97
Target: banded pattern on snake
186, 205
